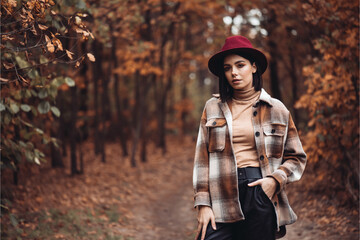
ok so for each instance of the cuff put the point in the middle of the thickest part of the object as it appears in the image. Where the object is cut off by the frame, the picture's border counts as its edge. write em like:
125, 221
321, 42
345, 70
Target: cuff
281, 177
202, 198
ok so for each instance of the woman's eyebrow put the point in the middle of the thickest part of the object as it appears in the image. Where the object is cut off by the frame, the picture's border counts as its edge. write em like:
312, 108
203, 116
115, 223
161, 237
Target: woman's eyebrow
240, 61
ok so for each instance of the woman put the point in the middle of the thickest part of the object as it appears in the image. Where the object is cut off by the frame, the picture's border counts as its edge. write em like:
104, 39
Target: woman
247, 150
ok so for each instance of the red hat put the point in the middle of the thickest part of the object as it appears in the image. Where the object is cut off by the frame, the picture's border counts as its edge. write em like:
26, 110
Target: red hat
236, 44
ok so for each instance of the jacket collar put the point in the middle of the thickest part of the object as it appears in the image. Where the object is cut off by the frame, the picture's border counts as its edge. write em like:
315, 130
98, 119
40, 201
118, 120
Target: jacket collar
264, 97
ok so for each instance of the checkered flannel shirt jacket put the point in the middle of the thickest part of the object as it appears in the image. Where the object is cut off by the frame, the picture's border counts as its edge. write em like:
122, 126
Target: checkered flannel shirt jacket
279, 149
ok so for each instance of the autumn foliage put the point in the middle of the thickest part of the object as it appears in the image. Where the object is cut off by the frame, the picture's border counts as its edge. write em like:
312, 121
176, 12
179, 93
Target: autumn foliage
332, 95
78, 76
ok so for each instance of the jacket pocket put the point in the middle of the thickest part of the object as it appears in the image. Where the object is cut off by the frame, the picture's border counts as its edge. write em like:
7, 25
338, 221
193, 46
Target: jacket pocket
217, 134
274, 139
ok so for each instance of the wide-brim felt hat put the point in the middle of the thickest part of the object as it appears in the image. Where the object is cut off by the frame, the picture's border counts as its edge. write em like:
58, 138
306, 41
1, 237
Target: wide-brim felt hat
238, 45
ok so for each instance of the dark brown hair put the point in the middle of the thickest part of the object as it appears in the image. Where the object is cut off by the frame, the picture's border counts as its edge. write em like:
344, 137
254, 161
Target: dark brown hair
226, 91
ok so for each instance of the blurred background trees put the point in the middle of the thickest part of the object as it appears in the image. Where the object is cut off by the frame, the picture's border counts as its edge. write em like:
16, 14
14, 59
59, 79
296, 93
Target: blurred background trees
135, 72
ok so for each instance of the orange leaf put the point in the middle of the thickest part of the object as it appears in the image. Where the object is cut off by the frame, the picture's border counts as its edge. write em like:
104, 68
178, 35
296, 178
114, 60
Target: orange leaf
69, 54
91, 57
42, 27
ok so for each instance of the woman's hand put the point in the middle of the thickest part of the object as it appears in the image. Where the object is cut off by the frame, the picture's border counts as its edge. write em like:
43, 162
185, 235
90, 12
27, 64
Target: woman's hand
268, 184
205, 215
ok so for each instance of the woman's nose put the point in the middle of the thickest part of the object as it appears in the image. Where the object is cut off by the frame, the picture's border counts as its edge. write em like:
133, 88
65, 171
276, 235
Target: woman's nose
234, 72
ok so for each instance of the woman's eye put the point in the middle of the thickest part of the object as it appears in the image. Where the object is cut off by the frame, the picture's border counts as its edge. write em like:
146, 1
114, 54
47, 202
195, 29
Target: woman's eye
240, 65
226, 69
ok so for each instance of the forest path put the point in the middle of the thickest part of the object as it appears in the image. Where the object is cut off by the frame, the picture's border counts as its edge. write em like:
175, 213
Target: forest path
168, 213
153, 201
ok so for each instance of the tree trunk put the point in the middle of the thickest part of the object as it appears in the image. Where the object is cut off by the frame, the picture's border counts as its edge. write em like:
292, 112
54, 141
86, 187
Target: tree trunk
105, 106
122, 122
62, 125
136, 118
184, 112
96, 75
73, 130
56, 160
294, 80
17, 168
273, 50
144, 142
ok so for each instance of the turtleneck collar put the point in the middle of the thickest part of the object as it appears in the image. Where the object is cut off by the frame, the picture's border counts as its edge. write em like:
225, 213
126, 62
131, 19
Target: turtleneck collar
246, 95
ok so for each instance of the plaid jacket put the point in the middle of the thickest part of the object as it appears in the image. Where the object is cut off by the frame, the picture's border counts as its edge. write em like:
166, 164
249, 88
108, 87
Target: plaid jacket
279, 150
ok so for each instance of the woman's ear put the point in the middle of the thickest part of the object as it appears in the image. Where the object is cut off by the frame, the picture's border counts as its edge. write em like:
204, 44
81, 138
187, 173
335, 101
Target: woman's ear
254, 68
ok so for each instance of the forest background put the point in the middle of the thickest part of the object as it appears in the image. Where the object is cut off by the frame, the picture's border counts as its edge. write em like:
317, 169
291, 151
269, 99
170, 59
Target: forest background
89, 76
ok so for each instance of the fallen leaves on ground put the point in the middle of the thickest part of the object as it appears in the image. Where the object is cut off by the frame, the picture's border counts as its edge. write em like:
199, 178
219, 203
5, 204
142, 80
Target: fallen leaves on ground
112, 200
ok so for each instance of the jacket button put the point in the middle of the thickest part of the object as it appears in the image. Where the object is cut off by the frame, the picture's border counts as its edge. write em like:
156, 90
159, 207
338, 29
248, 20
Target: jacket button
275, 203
257, 134
214, 123
272, 130
255, 113
262, 157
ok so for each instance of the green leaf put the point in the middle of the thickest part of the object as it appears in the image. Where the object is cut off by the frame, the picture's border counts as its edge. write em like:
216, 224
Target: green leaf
28, 135
45, 140
38, 130
25, 107
81, 5
55, 111
2, 107
43, 107
33, 74
17, 95
55, 142
36, 160
26, 123
7, 118
43, 93
34, 93
33, 110
14, 108
27, 93
22, 144
53, 91
69, 82
58, 81
29, 155
22, 63
43, 59
13, 220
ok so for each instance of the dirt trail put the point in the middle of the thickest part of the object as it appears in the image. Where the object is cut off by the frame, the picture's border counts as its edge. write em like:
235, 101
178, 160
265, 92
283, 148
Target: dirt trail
170, 214
155, 200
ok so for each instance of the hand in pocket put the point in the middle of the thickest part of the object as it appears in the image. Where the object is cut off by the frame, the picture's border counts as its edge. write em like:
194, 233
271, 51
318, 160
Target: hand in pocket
268, 185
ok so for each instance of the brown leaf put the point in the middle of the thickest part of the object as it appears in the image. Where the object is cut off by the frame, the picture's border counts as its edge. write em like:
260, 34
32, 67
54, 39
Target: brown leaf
57, 43
23, 79
33, 30
8, 65
49, 45
69, 54
91, 57
12, 3
42, 27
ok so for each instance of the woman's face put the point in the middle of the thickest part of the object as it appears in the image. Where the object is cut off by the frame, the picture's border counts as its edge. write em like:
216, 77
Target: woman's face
239, 72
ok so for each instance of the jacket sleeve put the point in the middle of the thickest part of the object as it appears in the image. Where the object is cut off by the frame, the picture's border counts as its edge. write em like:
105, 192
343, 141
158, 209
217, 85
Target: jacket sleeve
201, 166
294, 158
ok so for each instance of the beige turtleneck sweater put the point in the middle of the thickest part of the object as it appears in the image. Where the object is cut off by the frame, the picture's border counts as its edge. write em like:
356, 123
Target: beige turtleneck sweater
243, 130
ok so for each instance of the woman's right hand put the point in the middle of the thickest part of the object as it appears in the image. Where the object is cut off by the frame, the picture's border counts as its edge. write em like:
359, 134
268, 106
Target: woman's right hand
205, 215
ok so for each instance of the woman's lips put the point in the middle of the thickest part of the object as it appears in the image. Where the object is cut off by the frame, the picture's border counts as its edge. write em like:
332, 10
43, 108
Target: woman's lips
236, 81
